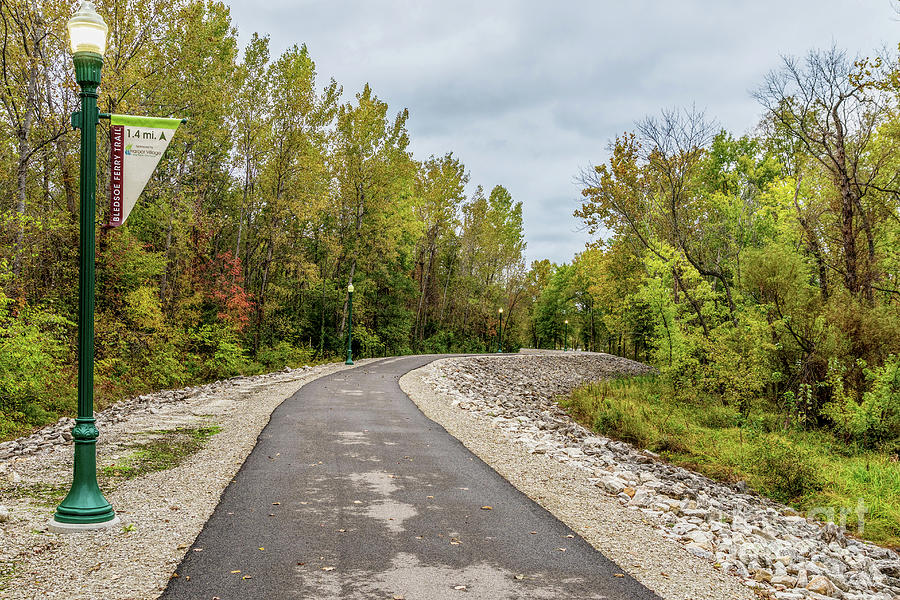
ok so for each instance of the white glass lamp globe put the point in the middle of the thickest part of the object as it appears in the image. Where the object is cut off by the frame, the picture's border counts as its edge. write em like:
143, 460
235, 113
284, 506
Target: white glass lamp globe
500, 311
87, 30
350, 288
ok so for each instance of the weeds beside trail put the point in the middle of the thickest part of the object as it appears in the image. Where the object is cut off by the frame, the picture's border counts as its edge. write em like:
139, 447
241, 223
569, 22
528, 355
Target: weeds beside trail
805, 469
165, 450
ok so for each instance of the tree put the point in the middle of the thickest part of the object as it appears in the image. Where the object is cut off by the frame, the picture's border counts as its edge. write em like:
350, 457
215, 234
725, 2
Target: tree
835, 118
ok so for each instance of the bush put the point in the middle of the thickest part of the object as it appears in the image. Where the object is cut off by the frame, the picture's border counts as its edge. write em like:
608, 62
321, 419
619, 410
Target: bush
165, 367
32, 353
876, 419
447, 342
366, 342
879, 413
283, 355
222, 353
442, 342
737, 367
787, 472
612, 412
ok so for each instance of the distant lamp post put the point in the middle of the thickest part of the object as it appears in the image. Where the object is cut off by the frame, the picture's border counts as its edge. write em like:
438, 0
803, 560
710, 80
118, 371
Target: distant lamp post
500, 336
566, 338
349, 360
85, 507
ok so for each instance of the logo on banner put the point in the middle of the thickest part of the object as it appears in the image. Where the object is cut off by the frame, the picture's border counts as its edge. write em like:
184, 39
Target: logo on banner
136, 146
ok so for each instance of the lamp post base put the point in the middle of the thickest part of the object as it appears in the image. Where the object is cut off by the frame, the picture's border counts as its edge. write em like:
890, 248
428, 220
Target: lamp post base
57, 527
348, 362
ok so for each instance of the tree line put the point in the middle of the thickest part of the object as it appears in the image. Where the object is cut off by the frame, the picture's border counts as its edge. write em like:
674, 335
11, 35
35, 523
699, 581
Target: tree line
274, 197
762, 270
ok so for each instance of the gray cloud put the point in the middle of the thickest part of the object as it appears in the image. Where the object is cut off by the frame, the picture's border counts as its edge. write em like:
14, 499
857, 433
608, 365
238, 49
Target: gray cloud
527, 93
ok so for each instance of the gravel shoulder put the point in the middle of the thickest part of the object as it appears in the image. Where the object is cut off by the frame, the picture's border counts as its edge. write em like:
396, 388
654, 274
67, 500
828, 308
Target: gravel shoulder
161, 512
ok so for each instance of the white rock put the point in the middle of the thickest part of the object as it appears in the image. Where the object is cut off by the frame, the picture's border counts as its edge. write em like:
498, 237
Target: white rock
613, 485
821, 585
762, 575
642, 497
785, 580
698, 550
574, 452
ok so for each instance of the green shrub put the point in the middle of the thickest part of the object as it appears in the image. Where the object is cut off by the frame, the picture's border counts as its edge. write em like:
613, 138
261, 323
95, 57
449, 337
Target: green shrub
33, 349
366, 342
876, 419
737, 366
786, 472
283, 355
165, 367
222, 353
142, 308
612, 413
879, 413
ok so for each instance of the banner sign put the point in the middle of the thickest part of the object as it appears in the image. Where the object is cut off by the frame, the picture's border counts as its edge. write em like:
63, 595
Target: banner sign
136, 145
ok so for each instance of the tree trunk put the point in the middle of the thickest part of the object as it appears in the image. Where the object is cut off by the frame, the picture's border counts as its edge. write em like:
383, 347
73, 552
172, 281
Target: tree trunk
260, 305
848, 239
419, 332
812, 244
23, 134
444, 297
593, 341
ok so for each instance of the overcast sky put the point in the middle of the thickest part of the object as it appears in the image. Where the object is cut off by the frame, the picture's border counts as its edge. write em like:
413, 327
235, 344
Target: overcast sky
527, 93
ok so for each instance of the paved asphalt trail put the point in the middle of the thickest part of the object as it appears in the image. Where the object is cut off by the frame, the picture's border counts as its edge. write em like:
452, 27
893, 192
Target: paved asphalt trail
351, 492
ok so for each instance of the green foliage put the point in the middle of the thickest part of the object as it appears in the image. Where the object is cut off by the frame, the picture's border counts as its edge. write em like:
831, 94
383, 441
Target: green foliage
738, 366
164, 366
142, 308
789, 473
224, 355
752, 274
367, 341
284, 354
876, 419
807, 469
33, 350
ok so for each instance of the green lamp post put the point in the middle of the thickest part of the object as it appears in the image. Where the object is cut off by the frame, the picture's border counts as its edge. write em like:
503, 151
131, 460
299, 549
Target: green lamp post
500, 335
349, 360
566, 337
85, 507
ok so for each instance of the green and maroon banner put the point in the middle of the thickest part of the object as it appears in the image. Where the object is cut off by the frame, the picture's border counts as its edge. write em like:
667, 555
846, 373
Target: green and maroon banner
136, 145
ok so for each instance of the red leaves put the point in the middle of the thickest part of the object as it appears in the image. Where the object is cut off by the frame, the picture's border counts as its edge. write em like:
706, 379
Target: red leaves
224, 283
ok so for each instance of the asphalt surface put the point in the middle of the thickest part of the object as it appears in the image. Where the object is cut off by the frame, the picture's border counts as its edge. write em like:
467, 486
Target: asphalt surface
352, 493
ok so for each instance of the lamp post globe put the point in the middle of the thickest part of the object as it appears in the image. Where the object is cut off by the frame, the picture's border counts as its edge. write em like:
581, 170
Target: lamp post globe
87, 30
500, 335
85, 507
349, 360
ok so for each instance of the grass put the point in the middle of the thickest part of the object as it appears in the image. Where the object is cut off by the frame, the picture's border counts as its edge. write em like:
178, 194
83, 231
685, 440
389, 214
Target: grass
42, 493
7, 572
168, 449
813, 471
